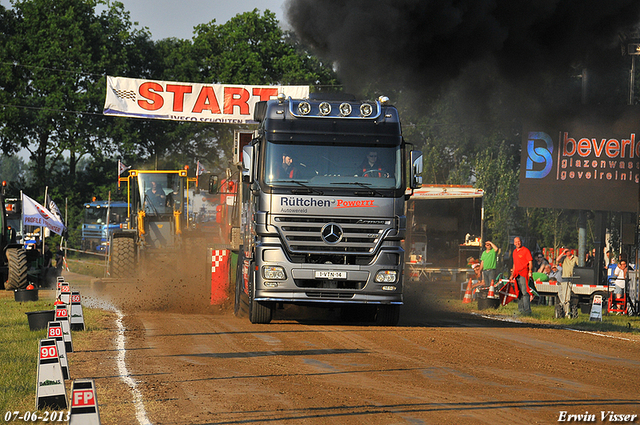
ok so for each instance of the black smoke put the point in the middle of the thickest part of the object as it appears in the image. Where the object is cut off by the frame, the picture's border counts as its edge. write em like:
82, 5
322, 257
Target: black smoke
527, 53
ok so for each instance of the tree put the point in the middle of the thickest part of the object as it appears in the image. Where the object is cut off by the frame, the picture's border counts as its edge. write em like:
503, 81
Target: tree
60, 51
497, 174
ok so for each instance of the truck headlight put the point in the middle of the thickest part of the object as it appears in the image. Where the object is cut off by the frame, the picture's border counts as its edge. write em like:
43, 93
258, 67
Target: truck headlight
386, 276
273, 272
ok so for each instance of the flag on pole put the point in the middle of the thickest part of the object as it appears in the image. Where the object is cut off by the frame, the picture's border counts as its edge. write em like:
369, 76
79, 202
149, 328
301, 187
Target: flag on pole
34, 214
54, 209
122, 168
200, 169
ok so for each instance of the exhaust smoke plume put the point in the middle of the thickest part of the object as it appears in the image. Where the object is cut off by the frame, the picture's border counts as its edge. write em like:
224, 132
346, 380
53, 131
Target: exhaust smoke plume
478, 47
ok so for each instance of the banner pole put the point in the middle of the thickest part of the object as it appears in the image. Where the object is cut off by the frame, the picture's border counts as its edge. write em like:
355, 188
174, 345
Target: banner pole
46, 193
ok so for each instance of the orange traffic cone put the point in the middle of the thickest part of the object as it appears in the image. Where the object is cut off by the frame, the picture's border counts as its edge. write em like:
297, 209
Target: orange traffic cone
467, 294
492, 291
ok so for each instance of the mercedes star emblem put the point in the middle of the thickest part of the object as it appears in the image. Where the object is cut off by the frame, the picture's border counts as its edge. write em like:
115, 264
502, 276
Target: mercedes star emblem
332, 233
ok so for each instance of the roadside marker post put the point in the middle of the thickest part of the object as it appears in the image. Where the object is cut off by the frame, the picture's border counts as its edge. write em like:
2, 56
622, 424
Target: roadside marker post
77, 318
54, 331
62, 315
220, 259
596, 309
84, 403
65, 293
50, 390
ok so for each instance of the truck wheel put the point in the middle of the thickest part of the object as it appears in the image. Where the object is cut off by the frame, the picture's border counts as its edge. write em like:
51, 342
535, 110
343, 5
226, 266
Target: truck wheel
388, 315
259, 311
122, 258
17, 262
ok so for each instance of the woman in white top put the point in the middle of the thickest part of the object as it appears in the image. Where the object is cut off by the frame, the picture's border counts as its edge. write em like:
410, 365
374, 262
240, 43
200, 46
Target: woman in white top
621, 272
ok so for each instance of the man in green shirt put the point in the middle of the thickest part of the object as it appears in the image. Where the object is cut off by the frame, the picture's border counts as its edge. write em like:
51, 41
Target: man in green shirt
489, 262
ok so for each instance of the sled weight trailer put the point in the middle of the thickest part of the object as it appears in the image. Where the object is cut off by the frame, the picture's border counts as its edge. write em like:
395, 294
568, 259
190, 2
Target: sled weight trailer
323, 208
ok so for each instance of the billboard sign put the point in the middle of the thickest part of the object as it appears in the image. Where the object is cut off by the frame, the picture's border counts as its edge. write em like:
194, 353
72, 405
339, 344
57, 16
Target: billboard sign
589, 163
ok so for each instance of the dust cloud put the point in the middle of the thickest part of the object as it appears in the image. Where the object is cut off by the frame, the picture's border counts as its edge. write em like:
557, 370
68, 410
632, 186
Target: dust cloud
174, 282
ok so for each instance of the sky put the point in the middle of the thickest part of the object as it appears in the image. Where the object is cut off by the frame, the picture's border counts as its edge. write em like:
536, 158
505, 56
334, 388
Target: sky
176, 18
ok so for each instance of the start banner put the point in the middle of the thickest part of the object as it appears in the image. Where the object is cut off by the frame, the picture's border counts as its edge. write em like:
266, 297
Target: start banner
215, 103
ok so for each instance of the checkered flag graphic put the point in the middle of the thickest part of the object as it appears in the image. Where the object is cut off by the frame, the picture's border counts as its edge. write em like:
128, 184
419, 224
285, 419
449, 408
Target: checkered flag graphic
125, 94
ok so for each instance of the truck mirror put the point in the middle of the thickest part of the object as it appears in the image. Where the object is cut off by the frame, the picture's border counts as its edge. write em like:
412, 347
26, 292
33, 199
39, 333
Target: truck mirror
416, 169
247, 164
213, 185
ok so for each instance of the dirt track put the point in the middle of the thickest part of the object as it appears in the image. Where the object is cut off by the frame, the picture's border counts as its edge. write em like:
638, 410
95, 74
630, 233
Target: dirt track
210, 367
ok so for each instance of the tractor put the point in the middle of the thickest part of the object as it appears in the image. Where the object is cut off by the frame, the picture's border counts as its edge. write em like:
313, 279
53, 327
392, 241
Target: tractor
156, 221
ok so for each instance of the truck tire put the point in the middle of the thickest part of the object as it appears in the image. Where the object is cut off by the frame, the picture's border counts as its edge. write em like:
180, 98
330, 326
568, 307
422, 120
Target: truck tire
259, 311
388, 315
122, 258
17, 263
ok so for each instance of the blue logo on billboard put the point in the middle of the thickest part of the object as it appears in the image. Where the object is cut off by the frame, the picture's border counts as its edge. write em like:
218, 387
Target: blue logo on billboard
539, 155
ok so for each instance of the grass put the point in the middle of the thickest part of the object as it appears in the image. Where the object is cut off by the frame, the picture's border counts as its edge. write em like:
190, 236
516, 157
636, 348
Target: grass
19, 350
87, 265
18, 353
544, 314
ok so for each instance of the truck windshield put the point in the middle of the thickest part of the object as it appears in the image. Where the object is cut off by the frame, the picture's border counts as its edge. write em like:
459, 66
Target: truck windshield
160, 193
95, 215
98, 214
335, 166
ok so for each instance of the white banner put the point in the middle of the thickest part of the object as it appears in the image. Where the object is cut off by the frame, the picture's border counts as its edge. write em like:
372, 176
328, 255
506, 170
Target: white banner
34, 214
217, 103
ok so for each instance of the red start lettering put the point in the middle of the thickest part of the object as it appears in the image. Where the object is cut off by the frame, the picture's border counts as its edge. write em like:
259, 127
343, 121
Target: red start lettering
153, 95
154, 100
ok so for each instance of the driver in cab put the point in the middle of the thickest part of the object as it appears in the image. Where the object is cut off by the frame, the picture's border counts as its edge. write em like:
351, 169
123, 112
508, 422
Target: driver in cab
156, 196
371, 167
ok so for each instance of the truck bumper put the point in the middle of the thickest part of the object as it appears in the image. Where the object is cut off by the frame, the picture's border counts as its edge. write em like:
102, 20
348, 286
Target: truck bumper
328, 283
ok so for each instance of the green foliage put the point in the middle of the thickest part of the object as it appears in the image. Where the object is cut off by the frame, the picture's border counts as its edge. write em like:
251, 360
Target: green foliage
497, 174
54, 59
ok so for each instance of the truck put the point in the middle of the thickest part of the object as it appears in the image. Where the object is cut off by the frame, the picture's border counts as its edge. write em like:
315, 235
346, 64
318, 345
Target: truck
445, 226
317, 225
155, 222
101, 219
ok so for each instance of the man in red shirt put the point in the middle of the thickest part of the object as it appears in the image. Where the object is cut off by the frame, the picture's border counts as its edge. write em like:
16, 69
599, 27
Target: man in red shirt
521, 271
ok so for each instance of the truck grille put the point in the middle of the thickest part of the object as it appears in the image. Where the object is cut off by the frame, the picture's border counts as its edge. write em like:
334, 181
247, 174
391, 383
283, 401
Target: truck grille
318, 237
93, 234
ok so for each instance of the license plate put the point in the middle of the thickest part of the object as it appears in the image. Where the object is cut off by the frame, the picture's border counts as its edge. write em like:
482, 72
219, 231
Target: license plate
325, 274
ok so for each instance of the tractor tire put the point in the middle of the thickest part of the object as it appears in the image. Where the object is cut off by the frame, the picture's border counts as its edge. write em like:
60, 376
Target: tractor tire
388, 315
123, 256
259, 311
17, 262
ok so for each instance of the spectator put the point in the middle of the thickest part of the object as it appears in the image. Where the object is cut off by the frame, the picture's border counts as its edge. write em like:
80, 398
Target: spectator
555, 274
540, 263
489, 262
522, 272
568, 261
607, 257
589, 258
621, 274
